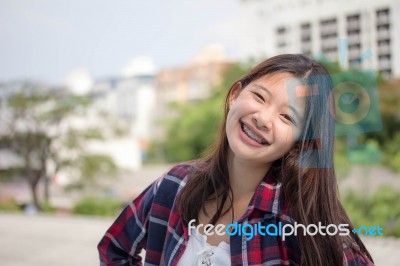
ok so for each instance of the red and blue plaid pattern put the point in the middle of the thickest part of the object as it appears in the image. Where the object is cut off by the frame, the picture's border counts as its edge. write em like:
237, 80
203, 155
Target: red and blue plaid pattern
152, 222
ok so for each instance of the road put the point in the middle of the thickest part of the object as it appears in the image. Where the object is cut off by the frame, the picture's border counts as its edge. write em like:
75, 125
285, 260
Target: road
50, 240
71, 241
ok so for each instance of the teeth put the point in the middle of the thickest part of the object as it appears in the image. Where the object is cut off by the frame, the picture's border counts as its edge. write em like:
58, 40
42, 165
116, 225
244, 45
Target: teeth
253, 136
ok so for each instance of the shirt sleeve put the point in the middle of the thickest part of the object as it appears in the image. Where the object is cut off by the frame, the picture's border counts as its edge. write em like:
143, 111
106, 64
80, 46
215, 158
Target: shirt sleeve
127, 236
353, 257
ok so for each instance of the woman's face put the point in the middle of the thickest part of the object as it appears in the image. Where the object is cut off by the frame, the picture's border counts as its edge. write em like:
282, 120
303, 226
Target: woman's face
265, 118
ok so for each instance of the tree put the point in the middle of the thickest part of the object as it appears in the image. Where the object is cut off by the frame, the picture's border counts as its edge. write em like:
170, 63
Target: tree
189, 135
379, 131
388, 138
49, 130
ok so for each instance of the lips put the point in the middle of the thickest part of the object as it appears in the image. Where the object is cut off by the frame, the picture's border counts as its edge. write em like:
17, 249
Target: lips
252, 135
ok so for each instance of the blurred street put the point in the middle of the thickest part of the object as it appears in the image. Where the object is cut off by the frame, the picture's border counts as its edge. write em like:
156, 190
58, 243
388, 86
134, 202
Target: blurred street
42, 240
50, 240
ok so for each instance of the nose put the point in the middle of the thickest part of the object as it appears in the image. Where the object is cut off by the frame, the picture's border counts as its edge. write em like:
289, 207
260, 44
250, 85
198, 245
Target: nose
262, 121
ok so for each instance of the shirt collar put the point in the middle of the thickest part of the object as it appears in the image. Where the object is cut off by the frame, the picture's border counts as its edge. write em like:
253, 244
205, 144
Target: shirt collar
268, 195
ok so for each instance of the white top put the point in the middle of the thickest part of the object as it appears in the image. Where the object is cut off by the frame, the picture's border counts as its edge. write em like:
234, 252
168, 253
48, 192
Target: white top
199, 253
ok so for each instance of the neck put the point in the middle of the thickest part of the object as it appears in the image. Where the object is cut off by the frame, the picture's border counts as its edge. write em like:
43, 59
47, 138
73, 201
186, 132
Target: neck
245, 176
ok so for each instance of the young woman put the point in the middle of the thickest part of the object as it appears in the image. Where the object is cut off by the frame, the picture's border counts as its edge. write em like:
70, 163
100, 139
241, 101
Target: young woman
270, 168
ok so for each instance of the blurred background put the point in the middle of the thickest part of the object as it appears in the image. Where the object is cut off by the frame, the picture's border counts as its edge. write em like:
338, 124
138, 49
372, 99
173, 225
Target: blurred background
100, 98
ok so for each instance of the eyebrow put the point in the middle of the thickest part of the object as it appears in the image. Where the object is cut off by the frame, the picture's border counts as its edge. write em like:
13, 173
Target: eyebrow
271, 95
263, 88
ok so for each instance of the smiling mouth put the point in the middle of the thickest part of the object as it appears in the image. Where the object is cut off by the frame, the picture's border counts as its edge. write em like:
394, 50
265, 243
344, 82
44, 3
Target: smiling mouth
252, 135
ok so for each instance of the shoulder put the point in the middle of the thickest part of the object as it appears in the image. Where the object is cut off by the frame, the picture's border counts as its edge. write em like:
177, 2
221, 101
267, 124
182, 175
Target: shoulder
181, 170
352, 255
175, 178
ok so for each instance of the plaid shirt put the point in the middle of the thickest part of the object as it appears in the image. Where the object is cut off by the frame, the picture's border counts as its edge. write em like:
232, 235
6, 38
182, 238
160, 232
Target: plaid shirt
152, 222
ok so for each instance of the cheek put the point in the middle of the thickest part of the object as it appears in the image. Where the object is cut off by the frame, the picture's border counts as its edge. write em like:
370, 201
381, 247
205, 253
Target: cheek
296, 132
230, 121
234, 112
229, 117
287, 134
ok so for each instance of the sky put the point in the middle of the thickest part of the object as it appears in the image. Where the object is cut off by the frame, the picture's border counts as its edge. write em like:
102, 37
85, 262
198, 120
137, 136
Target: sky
44, 40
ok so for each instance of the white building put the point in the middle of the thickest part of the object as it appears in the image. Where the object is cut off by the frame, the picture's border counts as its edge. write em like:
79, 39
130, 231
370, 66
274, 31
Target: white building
131, 98
370, 29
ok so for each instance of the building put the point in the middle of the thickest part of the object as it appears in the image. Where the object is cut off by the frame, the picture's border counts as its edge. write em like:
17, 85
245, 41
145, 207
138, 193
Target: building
190, 82
130, 98
141, 97
369, 31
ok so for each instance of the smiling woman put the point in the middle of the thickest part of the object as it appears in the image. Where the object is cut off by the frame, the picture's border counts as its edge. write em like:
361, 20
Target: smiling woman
259, 116
271, 167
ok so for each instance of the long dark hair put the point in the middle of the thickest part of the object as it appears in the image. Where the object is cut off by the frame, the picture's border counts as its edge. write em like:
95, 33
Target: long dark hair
306, 171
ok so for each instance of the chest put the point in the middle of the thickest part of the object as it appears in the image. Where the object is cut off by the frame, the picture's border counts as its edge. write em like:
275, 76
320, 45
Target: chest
215, 234
248, 247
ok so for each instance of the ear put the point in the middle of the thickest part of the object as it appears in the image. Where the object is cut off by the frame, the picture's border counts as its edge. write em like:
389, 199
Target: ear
234, 92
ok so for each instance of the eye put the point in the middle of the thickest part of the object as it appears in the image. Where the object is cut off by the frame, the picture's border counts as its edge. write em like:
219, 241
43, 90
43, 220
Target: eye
259, 96
289, 118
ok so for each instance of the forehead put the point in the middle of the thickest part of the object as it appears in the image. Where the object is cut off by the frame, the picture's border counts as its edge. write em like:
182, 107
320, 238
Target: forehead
284, 85
274, 79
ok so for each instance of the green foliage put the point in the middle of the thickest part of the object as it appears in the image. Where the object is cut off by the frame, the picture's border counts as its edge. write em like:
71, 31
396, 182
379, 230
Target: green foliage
191, 133
98, 206
381, 140
10, 173
392, 154
9, 206
194, 131
341, 160
381, 208
388, 138
91, 165
47, 207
